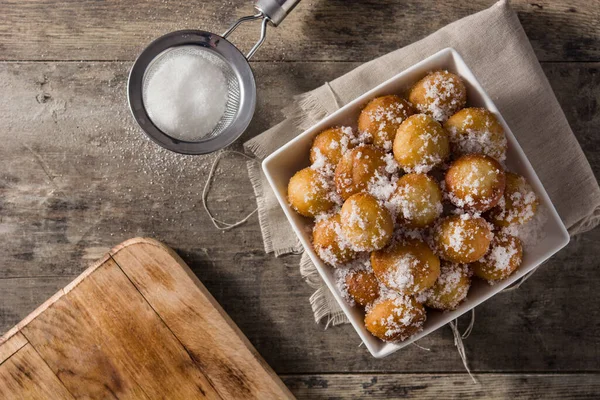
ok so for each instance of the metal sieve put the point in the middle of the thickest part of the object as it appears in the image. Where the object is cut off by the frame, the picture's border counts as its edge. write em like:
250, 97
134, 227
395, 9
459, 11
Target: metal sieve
218, 52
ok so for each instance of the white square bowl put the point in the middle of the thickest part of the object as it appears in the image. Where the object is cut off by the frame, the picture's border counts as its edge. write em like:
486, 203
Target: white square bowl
286, 161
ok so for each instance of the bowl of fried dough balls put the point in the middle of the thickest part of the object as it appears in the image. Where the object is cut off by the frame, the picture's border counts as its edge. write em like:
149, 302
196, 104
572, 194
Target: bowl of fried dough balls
409, 205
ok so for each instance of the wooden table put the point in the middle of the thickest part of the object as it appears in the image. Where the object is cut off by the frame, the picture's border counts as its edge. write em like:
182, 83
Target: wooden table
77, 177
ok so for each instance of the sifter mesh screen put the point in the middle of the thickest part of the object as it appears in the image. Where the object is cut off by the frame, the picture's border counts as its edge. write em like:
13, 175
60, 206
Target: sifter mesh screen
169, 108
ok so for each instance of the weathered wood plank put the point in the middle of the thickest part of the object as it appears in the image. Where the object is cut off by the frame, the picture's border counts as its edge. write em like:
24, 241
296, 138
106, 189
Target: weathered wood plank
578, 92
11, 346
26, 376
445, 386
128, 350
87, 166
559, 30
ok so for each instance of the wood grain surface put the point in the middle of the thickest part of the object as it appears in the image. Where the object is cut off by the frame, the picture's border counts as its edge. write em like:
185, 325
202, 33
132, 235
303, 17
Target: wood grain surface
332, 30
11, 346
25, 375
137, 325
77, 177
444, 386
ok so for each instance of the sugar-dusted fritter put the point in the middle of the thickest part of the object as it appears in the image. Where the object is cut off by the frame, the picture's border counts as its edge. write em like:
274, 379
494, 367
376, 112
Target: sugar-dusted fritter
475, 182
330, 243
439, 94
331, 144
420, 144
362, 286
408, 266
451, 287
309, 192
503, 258
381, 118
476, 130
357, 168
366, 223
395, 317
517, 206
418, 200
462, 238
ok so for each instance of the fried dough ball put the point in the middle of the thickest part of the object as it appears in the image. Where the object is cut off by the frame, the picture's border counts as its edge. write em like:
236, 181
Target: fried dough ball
451, 288
420, 144
331, 144
309, 192
330, 243
419, 200
476, 130
407, 266
475, 182
462, 238
381, 118
517, 206
366, 223
395, 318
439, 94
356, 168
362, 286
504, 257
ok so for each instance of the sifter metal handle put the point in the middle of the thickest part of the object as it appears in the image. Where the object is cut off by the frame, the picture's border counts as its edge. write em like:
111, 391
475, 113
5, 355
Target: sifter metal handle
276, 10
270, 11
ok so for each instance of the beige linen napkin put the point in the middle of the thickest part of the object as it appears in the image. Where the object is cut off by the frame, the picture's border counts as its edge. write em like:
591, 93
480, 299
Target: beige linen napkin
495, 47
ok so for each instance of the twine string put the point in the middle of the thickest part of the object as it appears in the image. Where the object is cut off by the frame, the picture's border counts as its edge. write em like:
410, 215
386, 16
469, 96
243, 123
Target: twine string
222, 225
458, 342
421, 347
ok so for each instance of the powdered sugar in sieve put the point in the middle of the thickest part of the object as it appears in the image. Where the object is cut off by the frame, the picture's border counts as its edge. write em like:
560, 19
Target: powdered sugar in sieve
190, 93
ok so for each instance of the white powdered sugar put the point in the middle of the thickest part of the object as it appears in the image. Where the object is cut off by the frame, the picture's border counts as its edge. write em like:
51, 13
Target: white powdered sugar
401, 232
478, 141
411, 203
321, 162
531, 232
186, 94
391, 165
449, 285
340, 275
326, 176
457, 237
522, 208
391, 114
500, 256
382, 187
355, 218
401, 275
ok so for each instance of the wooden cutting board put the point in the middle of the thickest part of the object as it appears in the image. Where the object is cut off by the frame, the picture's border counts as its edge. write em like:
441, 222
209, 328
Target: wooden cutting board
136, 325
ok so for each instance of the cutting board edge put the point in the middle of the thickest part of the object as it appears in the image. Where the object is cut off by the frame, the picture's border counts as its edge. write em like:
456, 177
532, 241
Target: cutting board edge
145, 240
